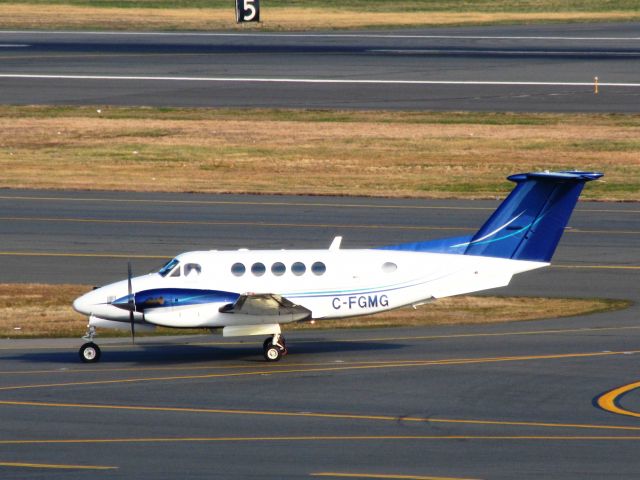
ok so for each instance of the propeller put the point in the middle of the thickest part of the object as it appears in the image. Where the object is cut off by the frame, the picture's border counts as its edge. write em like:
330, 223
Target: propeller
131, 303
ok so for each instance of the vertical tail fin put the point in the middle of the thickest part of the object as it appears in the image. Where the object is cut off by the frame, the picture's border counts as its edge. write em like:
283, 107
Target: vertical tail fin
530, 221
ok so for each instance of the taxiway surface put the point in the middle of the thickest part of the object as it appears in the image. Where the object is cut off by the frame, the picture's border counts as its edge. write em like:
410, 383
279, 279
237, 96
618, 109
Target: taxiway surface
87, 237
482, 402
503, 68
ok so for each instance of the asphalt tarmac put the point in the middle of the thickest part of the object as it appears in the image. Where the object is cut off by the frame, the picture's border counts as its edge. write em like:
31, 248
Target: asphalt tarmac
501, 68
519, 400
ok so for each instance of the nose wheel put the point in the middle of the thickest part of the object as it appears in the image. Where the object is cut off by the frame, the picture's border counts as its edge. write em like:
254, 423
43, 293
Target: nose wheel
274, 348
89, 352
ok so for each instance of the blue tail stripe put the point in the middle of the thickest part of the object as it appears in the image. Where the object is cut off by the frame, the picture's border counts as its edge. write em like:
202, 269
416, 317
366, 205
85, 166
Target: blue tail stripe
527, 225
517, 232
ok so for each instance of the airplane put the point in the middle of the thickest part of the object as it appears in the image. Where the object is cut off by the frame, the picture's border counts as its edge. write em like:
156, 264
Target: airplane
254, 292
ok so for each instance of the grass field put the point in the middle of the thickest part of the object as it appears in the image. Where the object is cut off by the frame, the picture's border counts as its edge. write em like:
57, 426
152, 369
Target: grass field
436, 155
516, 6
302, 15
35, 310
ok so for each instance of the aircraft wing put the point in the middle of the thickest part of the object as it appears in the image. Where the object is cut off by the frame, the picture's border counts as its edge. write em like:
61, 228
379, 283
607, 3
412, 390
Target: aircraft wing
267, 305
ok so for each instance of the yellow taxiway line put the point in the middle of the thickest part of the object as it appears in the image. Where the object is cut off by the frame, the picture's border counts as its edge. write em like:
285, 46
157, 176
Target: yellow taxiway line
255, 224
162, 257
324, 416
81, 255
323, 438
610, 401
383, 476
276, 203
342, 363
353, 340
333, 368
54, 466
473, 335
602, 267
278, 224
241, 202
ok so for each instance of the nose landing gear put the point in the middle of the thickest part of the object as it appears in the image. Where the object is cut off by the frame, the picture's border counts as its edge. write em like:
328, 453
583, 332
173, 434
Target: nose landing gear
89, 352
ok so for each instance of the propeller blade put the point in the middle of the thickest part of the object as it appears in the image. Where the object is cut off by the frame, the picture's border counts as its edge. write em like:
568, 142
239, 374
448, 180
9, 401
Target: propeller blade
132, 303
133, 330
129, 276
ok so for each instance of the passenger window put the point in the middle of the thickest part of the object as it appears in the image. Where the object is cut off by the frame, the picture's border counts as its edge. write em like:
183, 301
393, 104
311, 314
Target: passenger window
258, 269
278, 269
192, 269
238, 269
389, 267
318, 268
298, 268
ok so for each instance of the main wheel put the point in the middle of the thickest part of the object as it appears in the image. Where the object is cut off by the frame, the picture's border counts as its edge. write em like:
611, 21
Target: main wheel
272, 353
89, 352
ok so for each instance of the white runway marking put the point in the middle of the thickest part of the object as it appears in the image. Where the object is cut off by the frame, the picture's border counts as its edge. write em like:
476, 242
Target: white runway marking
421, 51
328, 35
310, 80
14, 45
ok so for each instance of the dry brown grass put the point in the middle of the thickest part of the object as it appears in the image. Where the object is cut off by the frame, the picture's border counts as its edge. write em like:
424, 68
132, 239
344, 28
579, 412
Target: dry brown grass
37, 310
297, 152
470, 310
79, 17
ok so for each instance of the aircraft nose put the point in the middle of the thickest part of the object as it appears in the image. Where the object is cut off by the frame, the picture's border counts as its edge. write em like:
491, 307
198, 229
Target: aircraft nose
83, 304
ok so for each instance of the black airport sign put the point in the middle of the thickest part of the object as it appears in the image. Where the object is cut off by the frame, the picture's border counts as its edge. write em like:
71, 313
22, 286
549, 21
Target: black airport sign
247, 11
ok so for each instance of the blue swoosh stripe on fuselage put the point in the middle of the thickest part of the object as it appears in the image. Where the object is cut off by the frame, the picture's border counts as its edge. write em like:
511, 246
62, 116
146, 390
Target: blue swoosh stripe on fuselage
173, 297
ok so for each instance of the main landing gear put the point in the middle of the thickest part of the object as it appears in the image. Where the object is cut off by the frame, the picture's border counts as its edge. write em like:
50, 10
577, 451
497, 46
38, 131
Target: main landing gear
89, 352
274, 348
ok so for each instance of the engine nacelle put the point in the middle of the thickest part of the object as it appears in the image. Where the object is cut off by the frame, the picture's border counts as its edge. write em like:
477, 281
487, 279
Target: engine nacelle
114, 325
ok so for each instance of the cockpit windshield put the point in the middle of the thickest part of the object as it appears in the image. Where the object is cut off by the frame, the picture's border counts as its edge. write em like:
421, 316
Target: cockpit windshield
164, 271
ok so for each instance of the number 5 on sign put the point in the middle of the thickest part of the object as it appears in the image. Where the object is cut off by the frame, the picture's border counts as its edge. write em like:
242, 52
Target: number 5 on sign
247, 11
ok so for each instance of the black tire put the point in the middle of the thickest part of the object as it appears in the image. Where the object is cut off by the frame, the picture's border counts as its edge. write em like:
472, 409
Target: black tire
89, 353
272, 353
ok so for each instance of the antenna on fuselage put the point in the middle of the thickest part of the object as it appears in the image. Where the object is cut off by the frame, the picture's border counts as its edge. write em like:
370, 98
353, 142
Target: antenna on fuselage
335, 245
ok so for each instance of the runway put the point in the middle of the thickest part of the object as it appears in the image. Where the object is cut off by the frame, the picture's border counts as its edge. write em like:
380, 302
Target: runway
481, 402
547, 399
504, 68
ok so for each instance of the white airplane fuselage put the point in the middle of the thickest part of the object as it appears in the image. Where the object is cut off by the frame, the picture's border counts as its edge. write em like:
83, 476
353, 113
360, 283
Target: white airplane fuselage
345, 283
254, 292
